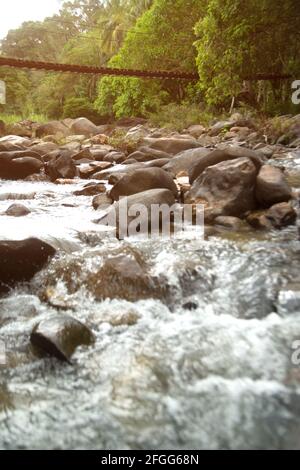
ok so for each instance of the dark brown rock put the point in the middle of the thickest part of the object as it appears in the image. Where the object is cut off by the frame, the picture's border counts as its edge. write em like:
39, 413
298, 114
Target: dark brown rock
226, 188
52, 128
21, 260
146, 198
102, 201
91, 190
143, 180
82, 126
218, 156
171, 145
61, 166
271, 186
18, 168
184, 161
60, 335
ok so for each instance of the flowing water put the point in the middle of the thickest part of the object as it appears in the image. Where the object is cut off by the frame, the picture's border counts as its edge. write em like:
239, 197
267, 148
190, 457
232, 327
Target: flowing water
208, 364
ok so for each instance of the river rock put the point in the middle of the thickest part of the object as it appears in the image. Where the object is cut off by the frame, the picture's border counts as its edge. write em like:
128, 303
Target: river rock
114, 157
171, 145
147, 154
18, 168
44, 148
87, 170
125, 275
282, 214
99, 151
221, 155
143, 180
184, 161
229, 223
20, 129
227, 188
278, 216
52, 128
196, 130
10, 142
271, 186
21, 260
61, 166
59, 336
91, 190
85, 127
159, 163
17, 210
117, 170
147, 199
83, 154
101, 201
219, 127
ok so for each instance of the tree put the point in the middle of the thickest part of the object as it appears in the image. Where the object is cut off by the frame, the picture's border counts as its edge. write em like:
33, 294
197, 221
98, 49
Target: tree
237, 39
161, 39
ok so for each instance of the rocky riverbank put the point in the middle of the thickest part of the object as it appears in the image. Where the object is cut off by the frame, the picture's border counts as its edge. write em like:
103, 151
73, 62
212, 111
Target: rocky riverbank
149, 343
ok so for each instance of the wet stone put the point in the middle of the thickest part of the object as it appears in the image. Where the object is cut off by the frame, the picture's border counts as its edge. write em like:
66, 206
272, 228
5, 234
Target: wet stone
17, 210
59, 336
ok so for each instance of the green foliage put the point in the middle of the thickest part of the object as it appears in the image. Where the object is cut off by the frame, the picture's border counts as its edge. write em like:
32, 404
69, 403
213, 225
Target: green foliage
225, 40
240, 38
14, 118
180, 116
161, 39
17, 91
75, 107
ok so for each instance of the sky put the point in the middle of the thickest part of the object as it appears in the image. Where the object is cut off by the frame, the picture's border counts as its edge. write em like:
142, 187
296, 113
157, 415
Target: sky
14, 12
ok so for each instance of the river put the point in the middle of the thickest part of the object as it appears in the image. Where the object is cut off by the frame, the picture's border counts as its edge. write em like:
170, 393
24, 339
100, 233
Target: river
207, 364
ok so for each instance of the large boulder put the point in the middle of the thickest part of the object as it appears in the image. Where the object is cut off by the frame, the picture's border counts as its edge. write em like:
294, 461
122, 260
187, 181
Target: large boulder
21, 260
8, 156
43, 148
85, 127
18, 168
52, 128
227, 188
125, 275
61, 166
13, 142
271, 186
184, 161
114, 157
218, 156
143, 180
171, 145
147, 199
60, 336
